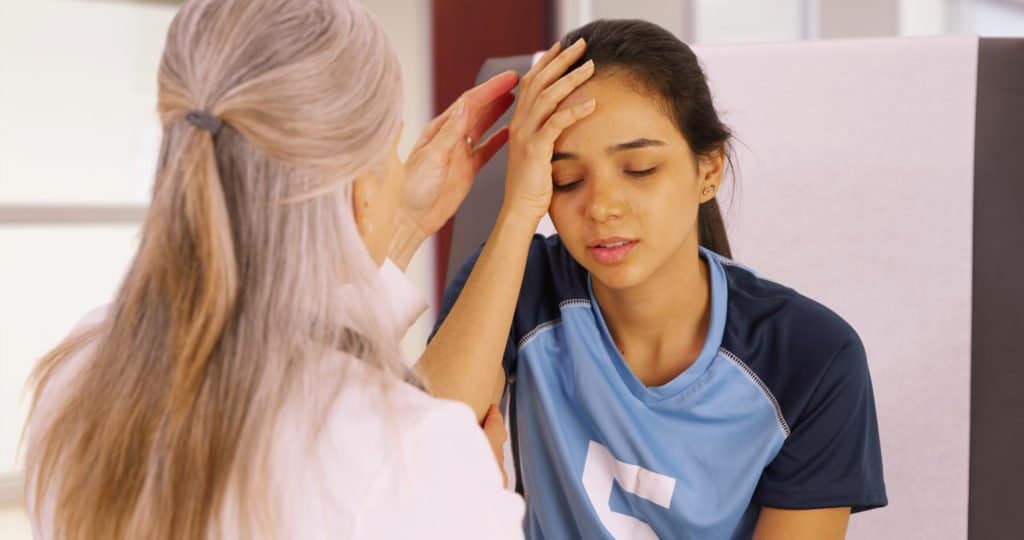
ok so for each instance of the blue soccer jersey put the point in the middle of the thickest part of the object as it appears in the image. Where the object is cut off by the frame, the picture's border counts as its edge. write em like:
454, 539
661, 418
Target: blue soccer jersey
776, 411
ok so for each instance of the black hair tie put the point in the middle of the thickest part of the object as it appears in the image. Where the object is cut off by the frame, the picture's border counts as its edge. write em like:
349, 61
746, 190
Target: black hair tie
207, 121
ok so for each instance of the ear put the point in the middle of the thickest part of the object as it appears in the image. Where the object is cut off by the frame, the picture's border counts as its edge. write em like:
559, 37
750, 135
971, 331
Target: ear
362, 193
710, 169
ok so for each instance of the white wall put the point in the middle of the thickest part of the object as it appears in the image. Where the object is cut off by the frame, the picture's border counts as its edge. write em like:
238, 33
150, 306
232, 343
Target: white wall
731, 21
924, 17
671, 15
408, 24
874, 223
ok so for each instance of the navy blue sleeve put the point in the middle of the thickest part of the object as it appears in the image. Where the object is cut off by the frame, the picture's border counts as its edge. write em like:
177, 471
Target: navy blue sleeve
451, 294
832, 457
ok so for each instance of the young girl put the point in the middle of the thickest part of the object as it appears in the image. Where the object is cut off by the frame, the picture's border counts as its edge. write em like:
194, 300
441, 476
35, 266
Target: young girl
658, 390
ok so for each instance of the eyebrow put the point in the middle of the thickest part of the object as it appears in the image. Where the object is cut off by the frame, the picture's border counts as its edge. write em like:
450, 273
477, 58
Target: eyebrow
629, 145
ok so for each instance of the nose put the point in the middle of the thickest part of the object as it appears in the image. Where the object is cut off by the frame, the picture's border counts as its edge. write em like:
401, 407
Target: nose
606, 200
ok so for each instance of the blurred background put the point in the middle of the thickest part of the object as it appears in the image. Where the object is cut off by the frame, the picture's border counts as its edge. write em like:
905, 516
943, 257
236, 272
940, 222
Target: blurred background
79, 133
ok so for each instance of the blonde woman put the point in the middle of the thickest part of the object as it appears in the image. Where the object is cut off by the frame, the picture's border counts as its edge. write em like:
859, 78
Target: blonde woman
246, 382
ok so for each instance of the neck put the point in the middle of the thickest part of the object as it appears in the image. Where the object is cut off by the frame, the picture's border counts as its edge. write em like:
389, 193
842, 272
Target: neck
660, 325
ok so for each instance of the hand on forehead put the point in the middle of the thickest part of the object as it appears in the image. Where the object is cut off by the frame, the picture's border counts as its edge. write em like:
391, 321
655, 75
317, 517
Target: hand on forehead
578, 97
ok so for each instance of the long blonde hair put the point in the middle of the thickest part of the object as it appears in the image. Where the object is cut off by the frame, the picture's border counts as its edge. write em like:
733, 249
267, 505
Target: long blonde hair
233, 298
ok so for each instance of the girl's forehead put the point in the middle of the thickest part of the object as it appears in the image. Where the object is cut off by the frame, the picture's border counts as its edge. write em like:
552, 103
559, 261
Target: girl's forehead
622, 114
614, 86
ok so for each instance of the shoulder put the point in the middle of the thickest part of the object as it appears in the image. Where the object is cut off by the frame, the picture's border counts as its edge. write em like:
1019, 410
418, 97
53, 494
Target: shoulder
405, 428
437, 431
552, 278
550, 261
373, 423
431, 473
379, 419
387, 455
450, 485
814, 366
793, 343
760, 309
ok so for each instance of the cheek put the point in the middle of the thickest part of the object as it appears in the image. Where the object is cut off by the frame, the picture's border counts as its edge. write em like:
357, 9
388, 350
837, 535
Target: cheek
565, 214
671, 207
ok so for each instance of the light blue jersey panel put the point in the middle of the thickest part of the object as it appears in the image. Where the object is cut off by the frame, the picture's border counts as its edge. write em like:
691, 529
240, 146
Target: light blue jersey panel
603, 456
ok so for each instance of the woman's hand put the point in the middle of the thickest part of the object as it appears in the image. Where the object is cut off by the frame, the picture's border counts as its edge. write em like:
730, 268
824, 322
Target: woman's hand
441, 167
536, 126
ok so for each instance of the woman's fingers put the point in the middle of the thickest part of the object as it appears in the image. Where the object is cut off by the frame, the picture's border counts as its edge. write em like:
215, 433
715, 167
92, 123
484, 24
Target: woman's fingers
489, 115
483, 103
483, 94
486, 150
452, 132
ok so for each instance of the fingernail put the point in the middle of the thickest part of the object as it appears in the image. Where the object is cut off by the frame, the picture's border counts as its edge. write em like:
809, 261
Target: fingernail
460, 107
589, 65
579, 43
589, 105
505, 74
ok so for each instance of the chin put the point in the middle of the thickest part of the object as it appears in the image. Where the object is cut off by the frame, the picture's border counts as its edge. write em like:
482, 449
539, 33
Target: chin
618, 277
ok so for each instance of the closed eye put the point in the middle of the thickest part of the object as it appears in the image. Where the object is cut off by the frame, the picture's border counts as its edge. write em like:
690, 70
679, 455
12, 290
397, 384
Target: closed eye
645, 172
567, 186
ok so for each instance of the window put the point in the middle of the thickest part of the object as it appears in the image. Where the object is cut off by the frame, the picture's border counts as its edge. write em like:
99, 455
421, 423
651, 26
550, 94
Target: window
78, 142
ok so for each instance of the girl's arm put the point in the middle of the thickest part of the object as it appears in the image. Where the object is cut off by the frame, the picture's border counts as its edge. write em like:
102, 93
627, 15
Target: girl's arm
464, 359
818, 524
